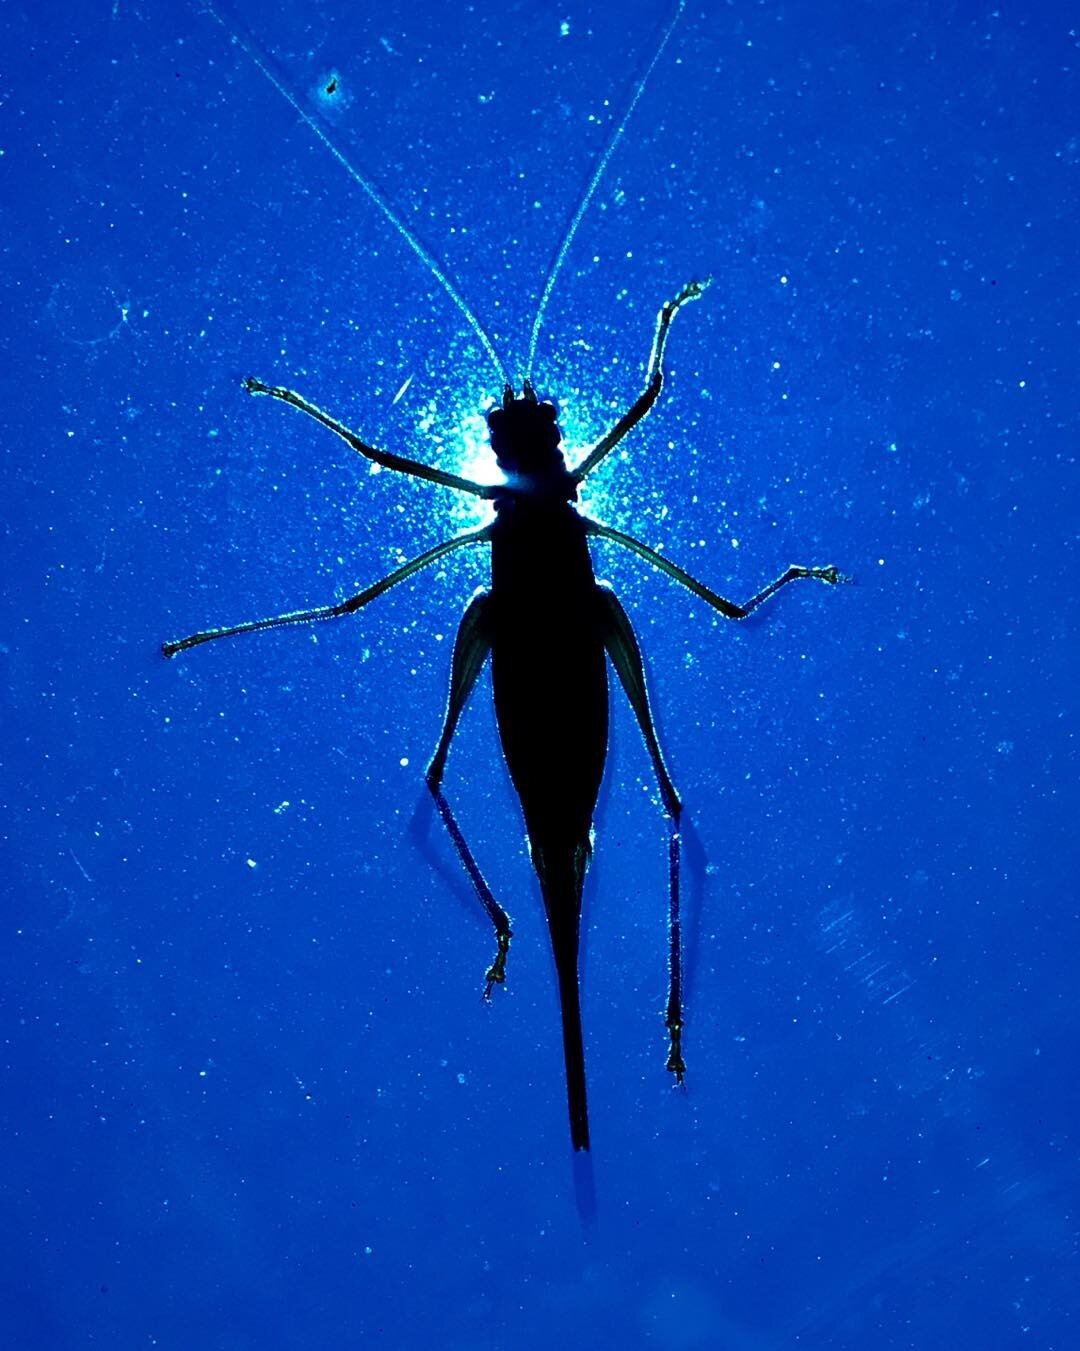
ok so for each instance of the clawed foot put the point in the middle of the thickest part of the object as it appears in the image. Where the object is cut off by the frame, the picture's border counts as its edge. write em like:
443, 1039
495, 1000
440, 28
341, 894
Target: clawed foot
496, 972
675, 1063
691, 291
832, 575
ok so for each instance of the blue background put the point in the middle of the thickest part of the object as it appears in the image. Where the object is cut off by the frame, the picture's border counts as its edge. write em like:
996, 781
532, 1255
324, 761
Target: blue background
251, 1096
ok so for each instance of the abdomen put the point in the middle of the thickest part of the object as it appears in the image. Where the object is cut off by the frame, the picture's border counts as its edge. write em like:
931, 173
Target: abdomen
549, 672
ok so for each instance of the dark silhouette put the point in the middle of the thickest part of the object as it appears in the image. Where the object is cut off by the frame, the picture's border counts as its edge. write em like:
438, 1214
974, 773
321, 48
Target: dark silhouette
548, 626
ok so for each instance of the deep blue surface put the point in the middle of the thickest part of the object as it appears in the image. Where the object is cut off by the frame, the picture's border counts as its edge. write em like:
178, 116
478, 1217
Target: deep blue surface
251, 1096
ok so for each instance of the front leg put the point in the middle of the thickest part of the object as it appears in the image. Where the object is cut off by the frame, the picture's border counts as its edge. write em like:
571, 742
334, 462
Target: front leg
654, 381
381, 457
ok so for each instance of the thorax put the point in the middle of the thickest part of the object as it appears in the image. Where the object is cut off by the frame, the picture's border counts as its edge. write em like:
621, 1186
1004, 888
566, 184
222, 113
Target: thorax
539, 550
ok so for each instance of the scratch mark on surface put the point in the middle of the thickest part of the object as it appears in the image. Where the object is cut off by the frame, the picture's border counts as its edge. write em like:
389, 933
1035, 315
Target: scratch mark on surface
80, 867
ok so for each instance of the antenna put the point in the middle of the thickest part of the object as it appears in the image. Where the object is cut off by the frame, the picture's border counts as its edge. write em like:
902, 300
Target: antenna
594, 183
373, 193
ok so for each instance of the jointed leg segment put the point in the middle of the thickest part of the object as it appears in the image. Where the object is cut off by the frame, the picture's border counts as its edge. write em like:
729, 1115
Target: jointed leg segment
654, 382
471, 648
346, 607
729, 609
622, 647
381, 457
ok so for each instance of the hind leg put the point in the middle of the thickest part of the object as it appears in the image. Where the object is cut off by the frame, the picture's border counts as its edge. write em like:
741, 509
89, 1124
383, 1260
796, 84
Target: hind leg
471, 648
622, 647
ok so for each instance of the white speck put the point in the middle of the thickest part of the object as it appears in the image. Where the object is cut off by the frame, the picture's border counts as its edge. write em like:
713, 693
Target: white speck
404, 761
891, 446
282, 806
776, 365
734, 542
783, 281
1023, 385
251, 863
564, 29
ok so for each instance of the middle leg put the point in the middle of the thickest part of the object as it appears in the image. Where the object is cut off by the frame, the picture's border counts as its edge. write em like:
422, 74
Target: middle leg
831, 575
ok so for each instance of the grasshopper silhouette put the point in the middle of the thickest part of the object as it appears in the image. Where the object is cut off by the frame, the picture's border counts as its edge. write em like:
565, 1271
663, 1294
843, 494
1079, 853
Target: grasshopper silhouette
548, 625
546, 622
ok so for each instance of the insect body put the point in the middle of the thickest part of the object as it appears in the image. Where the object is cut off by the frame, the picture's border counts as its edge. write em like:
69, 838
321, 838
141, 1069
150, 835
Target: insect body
550, 629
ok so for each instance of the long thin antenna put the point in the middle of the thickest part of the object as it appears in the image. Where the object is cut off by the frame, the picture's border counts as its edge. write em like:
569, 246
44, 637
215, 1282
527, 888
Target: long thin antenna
594, 183
373, 193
